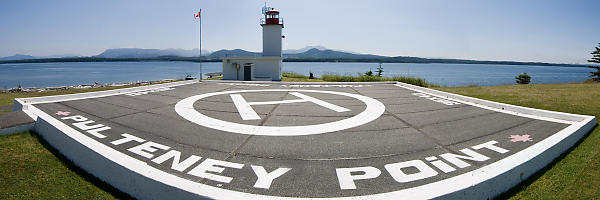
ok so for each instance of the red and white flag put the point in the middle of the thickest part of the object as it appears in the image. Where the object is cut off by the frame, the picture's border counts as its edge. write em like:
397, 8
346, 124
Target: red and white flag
197, 15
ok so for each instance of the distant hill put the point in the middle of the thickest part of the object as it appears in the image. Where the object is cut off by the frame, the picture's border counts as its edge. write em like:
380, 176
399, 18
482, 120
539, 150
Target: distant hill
148, 53
306, 52
302, 50
233, 53
328, 54
18, 57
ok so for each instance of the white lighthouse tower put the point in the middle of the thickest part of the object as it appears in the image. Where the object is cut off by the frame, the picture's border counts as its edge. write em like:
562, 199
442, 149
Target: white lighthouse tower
272, 26
266, 67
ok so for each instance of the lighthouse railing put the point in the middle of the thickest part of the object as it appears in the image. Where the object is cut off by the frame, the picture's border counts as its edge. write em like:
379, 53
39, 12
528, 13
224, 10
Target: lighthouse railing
264, 20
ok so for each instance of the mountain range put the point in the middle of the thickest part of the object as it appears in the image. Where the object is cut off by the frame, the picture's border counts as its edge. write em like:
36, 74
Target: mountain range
306, 54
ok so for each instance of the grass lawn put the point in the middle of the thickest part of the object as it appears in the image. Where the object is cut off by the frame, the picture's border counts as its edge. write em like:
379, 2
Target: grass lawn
295, 77
576, 175
33, 170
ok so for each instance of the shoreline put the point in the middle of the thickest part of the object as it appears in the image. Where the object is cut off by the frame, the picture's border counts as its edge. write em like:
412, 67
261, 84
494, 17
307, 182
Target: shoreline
328, 60
84, 86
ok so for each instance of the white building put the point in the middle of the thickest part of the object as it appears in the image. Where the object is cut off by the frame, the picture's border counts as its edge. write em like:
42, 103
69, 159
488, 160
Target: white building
267, 67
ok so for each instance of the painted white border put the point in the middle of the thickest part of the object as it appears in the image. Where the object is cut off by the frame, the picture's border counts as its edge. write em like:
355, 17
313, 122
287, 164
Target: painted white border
185, 109
140, 180
22, 103
534, 113
88, 95
300, 83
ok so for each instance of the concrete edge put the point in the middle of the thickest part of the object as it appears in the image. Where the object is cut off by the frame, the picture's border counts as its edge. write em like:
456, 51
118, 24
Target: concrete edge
300, 83
500, 107
21, 104
142, 181
107, 170
67, 97
511, 178
17, 129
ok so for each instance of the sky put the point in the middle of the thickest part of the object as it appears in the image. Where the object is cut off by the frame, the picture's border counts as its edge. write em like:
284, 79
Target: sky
518, 30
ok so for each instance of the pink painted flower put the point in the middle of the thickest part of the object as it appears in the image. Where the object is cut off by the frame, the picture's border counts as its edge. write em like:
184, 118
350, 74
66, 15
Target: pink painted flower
520, 138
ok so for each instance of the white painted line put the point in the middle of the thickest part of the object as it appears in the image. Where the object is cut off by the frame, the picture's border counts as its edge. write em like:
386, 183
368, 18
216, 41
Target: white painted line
88, 95
374, 109
320, 102
565, 118
245, 110
277, 102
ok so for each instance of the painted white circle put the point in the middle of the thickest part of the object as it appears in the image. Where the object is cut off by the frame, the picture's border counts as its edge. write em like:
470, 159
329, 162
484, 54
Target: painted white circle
185, 108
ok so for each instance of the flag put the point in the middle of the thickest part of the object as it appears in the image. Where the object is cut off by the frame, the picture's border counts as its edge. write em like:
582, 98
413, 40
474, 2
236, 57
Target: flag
197, 15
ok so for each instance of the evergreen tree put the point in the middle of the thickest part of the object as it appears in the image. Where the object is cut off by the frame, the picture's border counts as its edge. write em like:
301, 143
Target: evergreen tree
369, 73
379, 70
523, 78
595, 59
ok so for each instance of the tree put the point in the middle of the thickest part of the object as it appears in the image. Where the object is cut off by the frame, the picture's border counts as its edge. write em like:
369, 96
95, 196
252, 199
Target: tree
369, 73
379, 70
595, 59
523, 78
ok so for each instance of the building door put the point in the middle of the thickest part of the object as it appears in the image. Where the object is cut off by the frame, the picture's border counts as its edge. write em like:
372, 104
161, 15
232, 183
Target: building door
247, 72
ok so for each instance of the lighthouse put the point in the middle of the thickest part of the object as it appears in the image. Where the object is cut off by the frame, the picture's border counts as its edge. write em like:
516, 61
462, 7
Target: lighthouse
271, 26
262, 68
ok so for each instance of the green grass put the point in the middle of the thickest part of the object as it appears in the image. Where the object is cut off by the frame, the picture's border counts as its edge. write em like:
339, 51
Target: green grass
31, 169
576, 174
295, 77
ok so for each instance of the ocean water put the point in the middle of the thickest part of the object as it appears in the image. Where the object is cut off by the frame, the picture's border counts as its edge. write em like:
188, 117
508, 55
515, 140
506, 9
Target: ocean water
67, 74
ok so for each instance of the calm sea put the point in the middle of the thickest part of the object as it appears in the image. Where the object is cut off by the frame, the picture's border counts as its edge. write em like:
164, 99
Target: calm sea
67, 74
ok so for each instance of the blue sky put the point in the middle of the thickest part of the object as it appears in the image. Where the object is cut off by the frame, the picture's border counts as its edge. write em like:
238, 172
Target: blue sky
520, 30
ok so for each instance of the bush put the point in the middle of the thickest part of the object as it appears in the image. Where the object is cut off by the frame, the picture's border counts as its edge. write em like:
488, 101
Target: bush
292, 75
595, 75
523, 78
311, 76
595, 59
413, 81
379, 70
404, 79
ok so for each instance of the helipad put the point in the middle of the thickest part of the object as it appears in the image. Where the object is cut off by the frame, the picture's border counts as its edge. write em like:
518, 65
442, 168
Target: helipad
237, 140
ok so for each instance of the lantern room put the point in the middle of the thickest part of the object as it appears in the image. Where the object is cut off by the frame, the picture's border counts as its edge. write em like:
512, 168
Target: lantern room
272, 17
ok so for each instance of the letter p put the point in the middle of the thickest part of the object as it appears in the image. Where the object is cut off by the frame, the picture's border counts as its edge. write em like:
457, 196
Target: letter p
346, 178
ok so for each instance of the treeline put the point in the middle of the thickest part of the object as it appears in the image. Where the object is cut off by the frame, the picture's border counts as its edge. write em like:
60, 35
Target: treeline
424, 61
366, 60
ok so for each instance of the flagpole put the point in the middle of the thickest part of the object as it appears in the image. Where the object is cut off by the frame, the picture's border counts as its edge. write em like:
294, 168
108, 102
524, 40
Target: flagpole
200, 43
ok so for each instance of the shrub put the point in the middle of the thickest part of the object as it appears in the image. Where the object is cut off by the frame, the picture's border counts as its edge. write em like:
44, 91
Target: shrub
595, 59
311, 76
413, 81
523, 78
595, 75
379, 70
292, 75
404, 79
